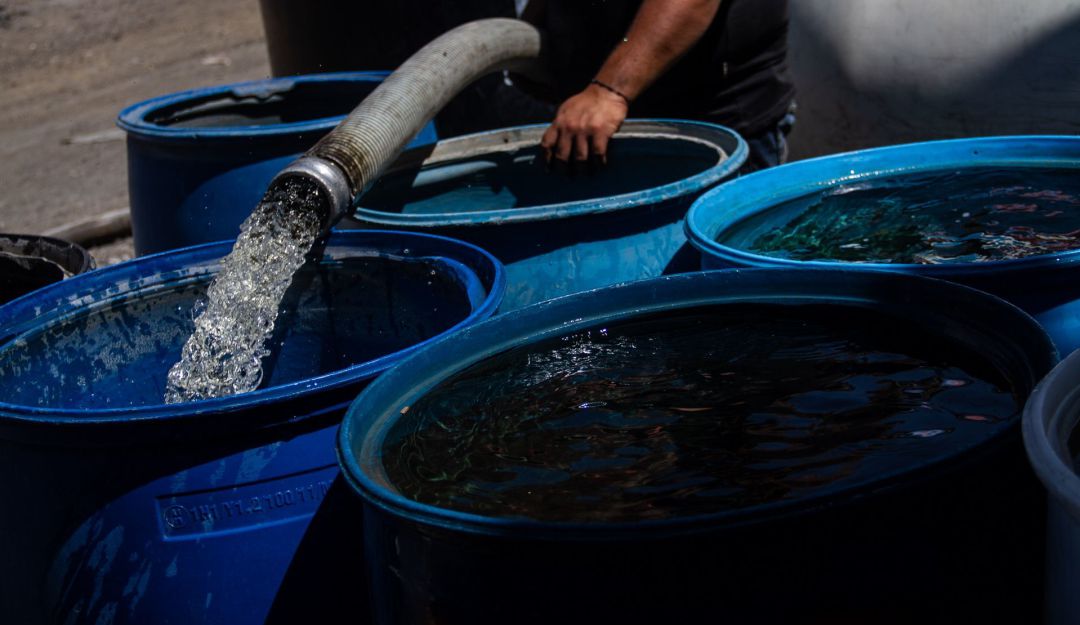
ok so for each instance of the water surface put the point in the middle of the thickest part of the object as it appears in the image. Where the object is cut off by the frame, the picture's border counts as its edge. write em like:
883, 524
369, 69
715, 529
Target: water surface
958, 216
692, 413
349, 309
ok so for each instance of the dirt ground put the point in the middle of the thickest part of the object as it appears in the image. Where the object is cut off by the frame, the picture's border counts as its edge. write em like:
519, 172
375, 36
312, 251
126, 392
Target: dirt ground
67, 67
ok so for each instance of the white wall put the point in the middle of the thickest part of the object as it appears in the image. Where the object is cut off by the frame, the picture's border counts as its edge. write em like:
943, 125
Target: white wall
877, 72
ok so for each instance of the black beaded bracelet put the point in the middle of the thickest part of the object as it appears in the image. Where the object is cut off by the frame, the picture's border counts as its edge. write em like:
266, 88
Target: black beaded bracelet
604, 85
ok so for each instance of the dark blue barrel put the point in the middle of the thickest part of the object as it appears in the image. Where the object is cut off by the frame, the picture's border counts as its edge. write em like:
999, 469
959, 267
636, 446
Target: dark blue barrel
1047, 286
200, 160
940, 542
219, 511
1050, 421
560, 232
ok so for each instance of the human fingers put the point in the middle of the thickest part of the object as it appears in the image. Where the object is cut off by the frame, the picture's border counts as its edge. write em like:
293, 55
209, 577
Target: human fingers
548, 141
564, 146
581, 147
600, 146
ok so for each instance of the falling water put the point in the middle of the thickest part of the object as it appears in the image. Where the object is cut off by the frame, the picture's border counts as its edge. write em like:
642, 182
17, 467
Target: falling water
233, 325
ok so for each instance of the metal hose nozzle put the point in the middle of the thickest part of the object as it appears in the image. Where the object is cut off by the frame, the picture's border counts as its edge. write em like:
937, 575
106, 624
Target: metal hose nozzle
330, 179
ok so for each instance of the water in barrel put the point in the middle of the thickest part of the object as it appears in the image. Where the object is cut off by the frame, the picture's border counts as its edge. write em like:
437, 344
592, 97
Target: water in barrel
969, 215
694, 412
353, 307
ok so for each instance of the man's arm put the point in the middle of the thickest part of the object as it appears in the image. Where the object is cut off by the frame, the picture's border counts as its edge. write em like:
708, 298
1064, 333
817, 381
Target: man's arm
662, 31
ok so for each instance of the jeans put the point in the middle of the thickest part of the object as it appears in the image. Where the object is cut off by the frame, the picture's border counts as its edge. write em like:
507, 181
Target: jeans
769, 149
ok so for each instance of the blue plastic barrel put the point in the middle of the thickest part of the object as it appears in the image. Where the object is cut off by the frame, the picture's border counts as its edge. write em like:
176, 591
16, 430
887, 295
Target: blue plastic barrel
129, 510
200, 160
1050, 419
1048, 286
560, 232
943, 541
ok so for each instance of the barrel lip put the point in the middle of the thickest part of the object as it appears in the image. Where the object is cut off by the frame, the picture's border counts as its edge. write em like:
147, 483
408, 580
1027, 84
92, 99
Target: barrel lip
370, 418
173, 267
1051, 414
737, 200
527, 136
133, 118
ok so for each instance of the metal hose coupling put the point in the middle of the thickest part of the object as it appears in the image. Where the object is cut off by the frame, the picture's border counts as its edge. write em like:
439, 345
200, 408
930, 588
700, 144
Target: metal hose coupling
331, 180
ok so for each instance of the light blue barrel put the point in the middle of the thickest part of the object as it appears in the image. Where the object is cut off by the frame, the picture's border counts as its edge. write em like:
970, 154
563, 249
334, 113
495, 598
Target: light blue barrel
560, 232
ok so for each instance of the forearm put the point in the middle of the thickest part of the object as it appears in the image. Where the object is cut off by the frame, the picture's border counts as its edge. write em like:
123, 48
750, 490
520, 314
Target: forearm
662, 31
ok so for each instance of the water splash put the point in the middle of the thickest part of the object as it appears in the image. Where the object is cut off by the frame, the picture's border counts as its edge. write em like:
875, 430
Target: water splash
224, 354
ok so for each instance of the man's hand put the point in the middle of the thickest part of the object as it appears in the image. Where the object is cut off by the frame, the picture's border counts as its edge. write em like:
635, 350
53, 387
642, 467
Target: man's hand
662, 31
583, 126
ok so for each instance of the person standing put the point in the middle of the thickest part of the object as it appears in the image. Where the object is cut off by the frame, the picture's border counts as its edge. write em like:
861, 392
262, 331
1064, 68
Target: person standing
720, 61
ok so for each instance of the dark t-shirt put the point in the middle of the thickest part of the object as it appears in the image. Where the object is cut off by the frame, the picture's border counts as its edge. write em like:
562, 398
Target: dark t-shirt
736, 75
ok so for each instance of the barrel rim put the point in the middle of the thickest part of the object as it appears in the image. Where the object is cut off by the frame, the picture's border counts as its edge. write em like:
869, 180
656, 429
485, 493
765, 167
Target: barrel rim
517, 137
1050, 416
369, 418
133, 118
194, 263
763, 190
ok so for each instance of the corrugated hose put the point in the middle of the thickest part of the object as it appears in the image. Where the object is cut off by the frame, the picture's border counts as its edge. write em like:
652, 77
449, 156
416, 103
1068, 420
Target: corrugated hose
349, 159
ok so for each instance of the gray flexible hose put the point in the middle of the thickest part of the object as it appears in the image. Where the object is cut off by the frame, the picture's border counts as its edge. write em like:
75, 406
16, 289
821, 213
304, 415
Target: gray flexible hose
353, 155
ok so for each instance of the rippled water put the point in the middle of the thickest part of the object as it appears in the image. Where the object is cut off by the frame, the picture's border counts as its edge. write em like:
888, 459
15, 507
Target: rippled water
705, 411
970, 215
354, 307
225, 352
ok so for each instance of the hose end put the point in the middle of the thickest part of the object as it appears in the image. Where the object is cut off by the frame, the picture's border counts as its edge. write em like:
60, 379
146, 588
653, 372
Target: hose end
329, 177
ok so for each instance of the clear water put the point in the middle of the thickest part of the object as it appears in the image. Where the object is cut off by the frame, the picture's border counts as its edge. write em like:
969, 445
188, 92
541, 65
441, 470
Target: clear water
225, 352
704, 411
970, 215
349, 309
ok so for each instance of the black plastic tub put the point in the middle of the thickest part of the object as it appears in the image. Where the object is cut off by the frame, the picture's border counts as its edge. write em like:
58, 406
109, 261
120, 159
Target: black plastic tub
30, 262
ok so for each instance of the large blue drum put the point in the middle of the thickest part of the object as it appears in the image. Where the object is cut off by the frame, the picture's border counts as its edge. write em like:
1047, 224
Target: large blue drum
131, 510
951, 536
200, 160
